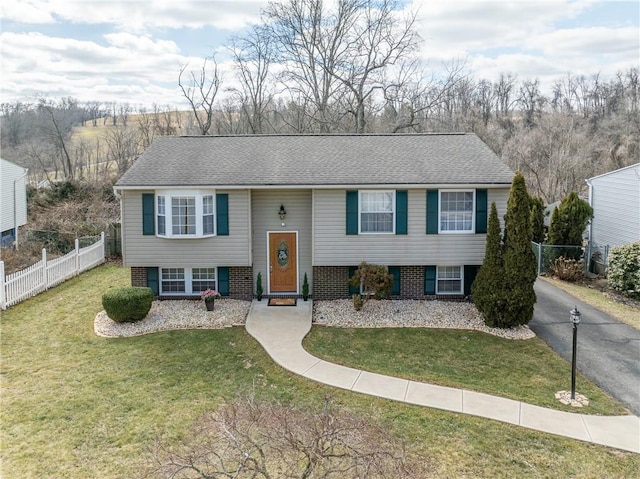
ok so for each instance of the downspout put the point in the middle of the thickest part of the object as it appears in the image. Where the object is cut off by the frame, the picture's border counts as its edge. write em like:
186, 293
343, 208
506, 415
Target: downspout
15, 205
590, 204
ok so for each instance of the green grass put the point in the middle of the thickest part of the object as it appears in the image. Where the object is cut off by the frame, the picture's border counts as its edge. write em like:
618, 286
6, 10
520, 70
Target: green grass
526, 371
74, 405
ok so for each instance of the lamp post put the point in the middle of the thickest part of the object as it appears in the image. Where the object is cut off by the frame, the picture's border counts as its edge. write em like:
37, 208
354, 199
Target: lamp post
575, 319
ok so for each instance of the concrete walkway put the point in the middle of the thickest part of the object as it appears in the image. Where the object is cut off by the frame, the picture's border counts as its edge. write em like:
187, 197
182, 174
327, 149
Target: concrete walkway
280, 330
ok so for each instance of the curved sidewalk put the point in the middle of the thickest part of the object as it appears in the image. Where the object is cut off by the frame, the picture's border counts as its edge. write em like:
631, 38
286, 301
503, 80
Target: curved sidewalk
280, 330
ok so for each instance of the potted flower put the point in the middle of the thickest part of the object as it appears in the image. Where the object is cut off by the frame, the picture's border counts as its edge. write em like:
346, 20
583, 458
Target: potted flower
209, 296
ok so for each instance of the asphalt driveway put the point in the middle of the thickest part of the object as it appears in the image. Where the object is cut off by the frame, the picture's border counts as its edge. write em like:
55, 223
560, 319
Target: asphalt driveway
608, 350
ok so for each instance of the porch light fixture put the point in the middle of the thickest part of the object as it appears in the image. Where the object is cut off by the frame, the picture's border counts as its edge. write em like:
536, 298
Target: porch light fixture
282, 212
575, 319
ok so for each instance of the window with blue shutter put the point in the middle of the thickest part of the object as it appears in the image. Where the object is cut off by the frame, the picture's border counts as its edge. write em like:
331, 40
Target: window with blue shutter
352, 212
481, 211
432, 212
430, 280
401, 212
222, 214
223, 280
148, 218
395, 286
153, 280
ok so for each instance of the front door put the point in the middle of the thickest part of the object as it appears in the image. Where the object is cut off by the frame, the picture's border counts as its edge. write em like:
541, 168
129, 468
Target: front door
283, 263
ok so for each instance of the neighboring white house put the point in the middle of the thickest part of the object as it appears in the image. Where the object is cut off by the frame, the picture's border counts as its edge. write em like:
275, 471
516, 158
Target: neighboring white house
13, 200
615, 199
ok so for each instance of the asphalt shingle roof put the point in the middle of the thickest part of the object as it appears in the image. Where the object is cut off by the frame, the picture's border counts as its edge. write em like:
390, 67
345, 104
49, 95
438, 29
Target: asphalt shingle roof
314, 160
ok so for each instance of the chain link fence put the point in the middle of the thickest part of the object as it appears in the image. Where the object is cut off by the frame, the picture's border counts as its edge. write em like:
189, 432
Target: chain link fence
546, 254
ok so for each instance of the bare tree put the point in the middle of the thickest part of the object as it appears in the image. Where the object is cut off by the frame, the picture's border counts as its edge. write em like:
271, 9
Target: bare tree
253, 55
255, 440
201, 91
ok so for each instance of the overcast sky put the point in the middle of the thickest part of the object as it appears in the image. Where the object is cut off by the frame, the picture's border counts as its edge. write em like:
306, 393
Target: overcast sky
132, 51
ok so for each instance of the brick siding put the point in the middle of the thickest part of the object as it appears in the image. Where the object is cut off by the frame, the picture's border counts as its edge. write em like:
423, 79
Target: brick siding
241, 282
330, 282
138, 276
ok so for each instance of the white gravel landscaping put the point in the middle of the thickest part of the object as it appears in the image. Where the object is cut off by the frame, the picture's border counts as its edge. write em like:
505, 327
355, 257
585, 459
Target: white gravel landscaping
192, 314
409, 314
176, 314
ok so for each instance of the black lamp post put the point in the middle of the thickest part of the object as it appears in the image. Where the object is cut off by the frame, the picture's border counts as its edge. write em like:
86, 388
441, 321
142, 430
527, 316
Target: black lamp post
575, 319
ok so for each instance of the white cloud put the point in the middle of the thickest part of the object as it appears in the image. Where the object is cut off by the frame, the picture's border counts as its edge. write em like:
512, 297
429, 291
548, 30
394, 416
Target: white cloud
138, 15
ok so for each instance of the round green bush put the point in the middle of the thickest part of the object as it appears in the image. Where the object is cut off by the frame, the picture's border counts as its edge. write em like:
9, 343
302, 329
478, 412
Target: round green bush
127, 304
623, 270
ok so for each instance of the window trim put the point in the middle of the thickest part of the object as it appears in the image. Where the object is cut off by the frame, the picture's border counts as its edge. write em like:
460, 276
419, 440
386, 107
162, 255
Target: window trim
199, 196
438, 279
473, 212
393, 213
188, 280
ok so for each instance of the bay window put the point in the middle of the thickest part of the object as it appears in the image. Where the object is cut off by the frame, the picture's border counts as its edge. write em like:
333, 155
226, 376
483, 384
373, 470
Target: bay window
190, 215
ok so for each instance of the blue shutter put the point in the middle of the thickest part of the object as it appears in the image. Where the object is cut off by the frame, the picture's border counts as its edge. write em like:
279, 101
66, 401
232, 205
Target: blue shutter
481, 211
401, 212
429, 280
395, 287
352, 212
153, 280
148, 219
432, 212
223, 280
222, 214
353, 289
470, 272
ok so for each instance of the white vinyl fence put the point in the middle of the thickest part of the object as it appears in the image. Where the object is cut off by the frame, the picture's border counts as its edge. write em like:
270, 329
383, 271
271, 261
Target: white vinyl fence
44, 274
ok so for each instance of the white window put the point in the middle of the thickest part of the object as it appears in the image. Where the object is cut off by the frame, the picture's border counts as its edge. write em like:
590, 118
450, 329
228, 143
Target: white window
190, 215
162, 220
183, 216
456, 211
377, 211
449, 280
173, 280
187, 281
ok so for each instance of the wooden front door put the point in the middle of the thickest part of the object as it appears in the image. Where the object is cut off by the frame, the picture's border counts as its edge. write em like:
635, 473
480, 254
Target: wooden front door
283, 263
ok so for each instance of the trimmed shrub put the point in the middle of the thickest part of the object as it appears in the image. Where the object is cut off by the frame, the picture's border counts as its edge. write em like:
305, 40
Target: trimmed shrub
623, 270
127, 304
567, 269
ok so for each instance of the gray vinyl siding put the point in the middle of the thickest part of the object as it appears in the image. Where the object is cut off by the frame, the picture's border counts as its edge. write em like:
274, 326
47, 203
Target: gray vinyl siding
265, 206
615, 198
333, 247
14, 207
232, 250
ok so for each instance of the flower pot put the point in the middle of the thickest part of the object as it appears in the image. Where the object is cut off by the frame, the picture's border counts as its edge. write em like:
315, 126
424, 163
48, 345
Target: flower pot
209, 305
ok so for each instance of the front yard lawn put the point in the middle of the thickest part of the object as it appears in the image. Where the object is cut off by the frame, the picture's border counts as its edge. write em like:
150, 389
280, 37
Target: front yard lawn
74, 405
523, 370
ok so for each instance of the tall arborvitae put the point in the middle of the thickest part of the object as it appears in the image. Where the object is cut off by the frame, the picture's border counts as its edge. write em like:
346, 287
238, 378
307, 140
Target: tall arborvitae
487, 289
518, 257
537, 219
568, 222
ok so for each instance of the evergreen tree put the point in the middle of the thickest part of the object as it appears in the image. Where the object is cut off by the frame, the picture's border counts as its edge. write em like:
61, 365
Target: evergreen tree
537, 219
518, 258
568, 223
487, 288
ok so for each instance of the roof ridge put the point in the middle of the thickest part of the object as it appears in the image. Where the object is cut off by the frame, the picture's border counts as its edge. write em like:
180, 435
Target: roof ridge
354, 135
